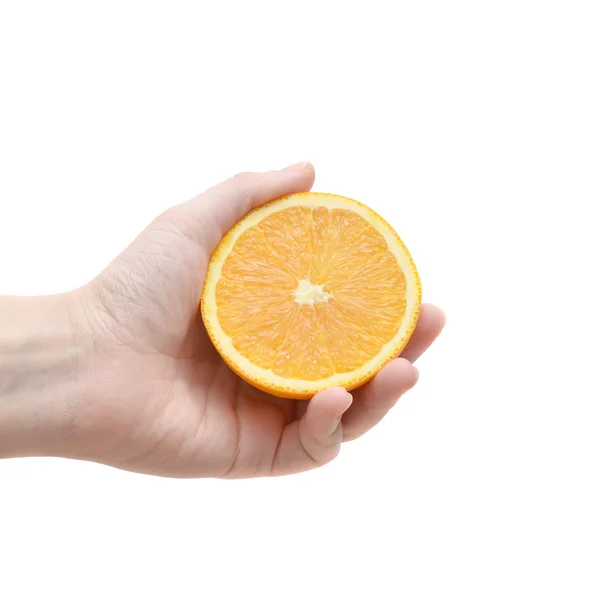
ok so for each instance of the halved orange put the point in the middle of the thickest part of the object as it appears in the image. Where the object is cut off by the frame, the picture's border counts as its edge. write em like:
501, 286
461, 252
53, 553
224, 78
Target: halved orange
308, 292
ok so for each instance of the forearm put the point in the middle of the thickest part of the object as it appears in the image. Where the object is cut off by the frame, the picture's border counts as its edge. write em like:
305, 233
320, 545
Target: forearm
39, 360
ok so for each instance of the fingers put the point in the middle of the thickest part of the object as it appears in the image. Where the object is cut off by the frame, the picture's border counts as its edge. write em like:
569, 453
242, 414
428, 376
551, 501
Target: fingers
315, 439
209, 216
376, 398
430, 325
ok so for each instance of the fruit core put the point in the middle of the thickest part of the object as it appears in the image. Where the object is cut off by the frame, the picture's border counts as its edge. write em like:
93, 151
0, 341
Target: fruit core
309, 293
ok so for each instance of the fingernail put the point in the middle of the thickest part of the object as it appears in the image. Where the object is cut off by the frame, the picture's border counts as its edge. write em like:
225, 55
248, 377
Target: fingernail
297, 166
349, 402
338, 420
347, 405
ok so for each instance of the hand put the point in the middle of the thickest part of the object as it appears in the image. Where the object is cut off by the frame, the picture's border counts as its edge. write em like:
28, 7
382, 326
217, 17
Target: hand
154, 396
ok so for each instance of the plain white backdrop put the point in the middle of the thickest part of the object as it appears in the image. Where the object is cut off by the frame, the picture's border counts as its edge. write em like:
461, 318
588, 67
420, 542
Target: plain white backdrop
474, 128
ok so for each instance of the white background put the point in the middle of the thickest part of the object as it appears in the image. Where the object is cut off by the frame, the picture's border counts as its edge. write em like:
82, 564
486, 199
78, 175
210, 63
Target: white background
474, 128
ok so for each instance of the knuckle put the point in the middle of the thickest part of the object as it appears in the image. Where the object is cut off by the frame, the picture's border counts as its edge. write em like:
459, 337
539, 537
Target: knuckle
245, 178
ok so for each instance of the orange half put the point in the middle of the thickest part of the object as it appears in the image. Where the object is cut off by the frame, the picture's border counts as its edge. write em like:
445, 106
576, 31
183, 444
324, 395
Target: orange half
308, 292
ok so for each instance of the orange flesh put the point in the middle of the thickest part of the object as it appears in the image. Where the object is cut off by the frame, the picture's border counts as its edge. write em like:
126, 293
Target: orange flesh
336, 328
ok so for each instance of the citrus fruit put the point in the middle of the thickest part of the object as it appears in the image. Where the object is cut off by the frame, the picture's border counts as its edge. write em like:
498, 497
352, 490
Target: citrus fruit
310, 291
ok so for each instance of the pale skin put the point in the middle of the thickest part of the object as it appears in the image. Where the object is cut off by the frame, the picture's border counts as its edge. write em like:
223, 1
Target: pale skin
121, 371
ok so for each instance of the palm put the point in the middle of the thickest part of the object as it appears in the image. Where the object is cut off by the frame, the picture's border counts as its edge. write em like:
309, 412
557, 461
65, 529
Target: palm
172, 401
166, 403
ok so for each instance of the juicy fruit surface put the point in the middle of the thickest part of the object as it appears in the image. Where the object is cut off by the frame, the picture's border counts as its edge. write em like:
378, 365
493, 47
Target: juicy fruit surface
312, 291
336, 252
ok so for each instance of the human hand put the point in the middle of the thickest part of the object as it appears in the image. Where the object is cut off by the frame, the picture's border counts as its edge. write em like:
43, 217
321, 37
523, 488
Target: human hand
149, 393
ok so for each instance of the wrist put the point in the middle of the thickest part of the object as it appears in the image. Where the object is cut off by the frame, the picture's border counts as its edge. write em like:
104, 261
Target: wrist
41, 357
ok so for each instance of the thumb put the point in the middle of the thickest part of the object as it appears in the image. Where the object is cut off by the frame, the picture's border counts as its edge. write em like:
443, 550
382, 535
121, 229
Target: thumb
315, 439
208, 217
